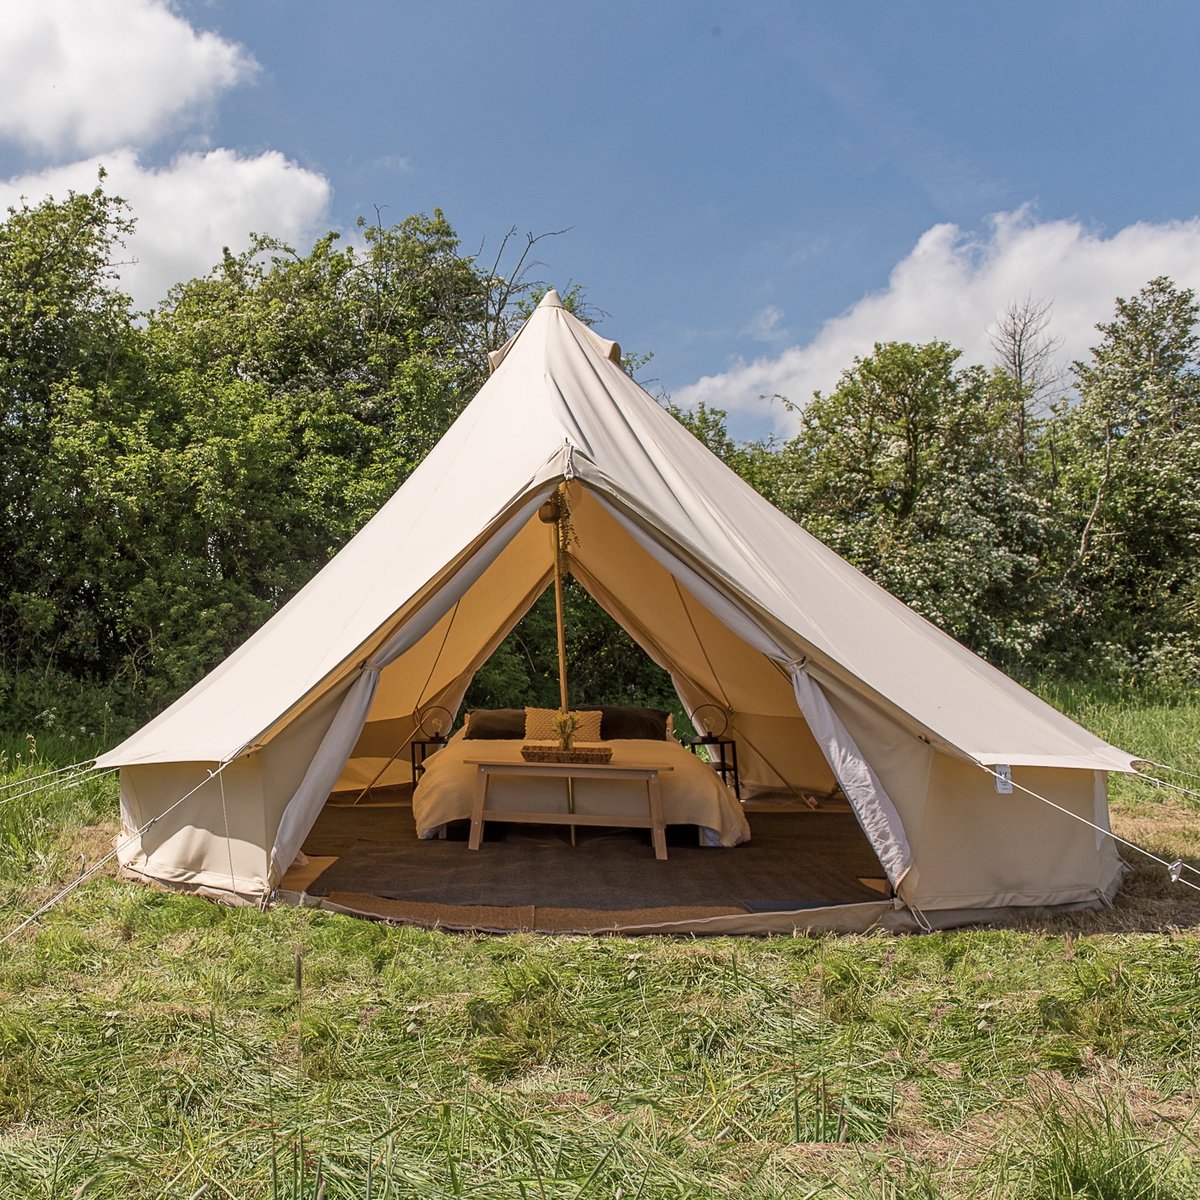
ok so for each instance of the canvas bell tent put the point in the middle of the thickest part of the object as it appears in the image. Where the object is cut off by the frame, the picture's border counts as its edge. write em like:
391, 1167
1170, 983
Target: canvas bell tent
825, 676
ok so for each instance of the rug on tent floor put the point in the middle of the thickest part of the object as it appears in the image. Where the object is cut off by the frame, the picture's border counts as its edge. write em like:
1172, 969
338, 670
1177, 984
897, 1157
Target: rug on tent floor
794, 861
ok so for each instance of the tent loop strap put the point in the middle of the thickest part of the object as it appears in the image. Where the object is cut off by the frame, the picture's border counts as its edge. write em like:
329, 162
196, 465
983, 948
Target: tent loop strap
1176, 877
921, 919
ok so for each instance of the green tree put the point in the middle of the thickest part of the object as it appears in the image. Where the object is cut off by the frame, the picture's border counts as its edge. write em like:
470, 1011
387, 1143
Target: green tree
910, 469
373, 353
67, 339
604, 664
1129, 480
164, 487
304, 389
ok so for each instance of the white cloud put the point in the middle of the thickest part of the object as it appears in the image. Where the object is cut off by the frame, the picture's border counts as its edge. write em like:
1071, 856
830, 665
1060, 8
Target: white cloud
81, 76
186, 212
101, 78
952, 286
764, 325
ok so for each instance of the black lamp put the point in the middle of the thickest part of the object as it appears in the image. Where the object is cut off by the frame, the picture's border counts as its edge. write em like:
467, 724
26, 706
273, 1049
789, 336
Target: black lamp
706, 717
434, 722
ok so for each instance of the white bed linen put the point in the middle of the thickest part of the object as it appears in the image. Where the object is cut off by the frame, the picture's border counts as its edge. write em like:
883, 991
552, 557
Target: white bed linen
692, 792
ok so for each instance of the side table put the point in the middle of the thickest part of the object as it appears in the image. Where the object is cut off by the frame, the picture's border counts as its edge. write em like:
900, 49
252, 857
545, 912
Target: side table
723, 758
419, 750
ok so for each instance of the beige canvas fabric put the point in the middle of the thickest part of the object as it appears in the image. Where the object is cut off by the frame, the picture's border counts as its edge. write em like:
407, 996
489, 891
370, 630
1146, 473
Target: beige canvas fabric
742, 607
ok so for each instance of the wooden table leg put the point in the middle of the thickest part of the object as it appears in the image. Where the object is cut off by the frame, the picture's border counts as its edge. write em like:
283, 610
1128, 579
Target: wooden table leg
481, 788
571, 803
658, 834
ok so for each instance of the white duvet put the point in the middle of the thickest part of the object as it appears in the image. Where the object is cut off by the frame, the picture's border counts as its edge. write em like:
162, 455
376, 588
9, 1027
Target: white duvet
692, 792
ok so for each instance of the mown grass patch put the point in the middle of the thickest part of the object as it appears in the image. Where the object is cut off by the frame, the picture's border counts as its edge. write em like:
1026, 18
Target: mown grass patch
154, 1044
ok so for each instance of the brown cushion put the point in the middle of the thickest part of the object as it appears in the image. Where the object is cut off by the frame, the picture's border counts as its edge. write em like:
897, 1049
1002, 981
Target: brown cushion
623, 723
496, 724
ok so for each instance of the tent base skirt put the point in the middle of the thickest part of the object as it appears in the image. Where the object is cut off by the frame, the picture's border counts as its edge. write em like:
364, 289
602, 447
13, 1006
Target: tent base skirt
882, 916
850, 918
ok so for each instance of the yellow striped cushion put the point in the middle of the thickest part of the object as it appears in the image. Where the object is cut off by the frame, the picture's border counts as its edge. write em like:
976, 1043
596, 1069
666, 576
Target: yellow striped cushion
539, 725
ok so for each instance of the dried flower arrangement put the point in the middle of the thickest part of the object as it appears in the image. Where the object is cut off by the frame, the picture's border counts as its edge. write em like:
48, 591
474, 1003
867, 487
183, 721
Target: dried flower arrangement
565, 724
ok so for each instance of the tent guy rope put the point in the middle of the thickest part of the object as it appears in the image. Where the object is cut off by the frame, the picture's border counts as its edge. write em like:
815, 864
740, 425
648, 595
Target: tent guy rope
100, 863
1164, 783
65, 783
24, 779
1174, 770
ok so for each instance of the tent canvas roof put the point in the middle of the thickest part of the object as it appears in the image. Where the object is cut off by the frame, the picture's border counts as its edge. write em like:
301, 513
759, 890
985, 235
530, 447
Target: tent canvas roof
559, 405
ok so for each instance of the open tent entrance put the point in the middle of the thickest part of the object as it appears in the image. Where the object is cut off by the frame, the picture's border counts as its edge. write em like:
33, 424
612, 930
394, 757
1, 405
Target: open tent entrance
807, 850
707, 662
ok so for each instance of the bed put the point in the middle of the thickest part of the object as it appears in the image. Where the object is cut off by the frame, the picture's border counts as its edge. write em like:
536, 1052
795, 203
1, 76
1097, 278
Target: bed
692, 792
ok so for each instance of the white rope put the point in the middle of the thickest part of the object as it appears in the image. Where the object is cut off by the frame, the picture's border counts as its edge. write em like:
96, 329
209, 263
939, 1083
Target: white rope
66, 784
1174, 869
24, 779
96, 866
1163, 783
1179, 866
1163, 767
920, 919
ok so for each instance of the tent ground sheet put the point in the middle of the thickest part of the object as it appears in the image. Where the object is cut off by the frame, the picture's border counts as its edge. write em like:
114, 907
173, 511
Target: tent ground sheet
795, 860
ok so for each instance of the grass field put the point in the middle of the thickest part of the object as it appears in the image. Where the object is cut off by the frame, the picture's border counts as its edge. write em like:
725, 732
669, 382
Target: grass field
157, 1045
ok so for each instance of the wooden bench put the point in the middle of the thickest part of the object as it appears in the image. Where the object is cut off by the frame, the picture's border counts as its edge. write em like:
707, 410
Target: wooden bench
653, 820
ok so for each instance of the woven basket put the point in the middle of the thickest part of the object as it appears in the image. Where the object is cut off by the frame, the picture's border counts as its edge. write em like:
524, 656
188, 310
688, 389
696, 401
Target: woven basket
553, 754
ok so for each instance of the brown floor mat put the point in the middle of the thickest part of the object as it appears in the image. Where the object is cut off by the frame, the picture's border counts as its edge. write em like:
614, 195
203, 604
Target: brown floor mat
795, 861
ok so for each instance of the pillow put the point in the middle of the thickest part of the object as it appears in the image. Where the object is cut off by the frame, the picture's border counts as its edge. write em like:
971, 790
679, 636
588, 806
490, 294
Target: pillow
495, 724
621, 723
539, 725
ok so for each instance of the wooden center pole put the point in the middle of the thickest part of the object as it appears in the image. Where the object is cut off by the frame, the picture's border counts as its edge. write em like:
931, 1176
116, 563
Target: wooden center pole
561, 629
563, 703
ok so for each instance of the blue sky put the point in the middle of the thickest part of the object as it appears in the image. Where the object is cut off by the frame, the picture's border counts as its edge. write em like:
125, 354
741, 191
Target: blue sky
754, 192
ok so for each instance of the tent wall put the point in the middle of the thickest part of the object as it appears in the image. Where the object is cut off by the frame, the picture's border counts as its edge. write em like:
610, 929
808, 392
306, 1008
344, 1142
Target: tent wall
189, 845
973, 848
976, 848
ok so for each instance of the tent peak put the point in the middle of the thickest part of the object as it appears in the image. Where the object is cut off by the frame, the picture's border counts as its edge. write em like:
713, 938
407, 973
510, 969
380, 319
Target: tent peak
550, 300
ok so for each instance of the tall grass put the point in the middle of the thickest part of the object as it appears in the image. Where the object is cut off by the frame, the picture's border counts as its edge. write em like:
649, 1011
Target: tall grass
48, 820
157, 1045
